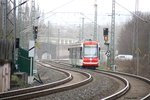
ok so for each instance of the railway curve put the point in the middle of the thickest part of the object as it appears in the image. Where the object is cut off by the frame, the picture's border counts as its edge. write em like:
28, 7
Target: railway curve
46, 89
138, 87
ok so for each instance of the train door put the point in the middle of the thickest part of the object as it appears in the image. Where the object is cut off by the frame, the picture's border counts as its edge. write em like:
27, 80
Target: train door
70, 55
74, 56
79, 56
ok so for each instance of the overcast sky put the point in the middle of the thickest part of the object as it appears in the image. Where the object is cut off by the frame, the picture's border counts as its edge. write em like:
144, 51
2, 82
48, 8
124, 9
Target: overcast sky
87, 8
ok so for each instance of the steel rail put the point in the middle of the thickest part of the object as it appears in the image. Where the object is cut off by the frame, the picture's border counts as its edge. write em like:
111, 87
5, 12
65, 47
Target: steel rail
119, 93
116, 95
40, 87
147, 97
49, 91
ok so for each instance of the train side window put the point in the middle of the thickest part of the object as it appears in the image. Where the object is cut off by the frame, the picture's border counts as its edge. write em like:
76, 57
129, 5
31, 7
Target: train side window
81, 52
71, 53
78, 52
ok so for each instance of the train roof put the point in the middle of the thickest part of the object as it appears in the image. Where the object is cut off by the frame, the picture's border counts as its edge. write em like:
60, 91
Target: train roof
79, 44
75, 45
90, 42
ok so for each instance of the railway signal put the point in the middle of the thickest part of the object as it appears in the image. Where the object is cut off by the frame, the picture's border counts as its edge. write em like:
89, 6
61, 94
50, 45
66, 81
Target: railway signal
105, 34
105, 31
35, 30
106, 38
17, 42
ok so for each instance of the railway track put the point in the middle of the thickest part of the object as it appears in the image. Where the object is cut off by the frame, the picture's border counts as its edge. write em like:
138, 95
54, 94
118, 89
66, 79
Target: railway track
139, 88
125, 87
136, 87
129, 89
74, 79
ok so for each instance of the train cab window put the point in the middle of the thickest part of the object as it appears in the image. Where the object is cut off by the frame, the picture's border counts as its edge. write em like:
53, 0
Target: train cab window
90, 51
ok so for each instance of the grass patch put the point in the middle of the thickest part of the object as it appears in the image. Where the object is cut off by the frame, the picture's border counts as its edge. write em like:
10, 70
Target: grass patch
17, 82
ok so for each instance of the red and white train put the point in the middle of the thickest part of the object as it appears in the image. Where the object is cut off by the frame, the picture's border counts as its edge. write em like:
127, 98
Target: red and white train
85, 54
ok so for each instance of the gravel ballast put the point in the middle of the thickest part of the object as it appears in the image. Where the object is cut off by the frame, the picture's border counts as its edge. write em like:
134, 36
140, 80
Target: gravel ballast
100, 87
50, 75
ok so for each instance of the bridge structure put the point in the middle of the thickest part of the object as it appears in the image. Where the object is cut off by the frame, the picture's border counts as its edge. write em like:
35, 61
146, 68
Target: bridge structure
53, 47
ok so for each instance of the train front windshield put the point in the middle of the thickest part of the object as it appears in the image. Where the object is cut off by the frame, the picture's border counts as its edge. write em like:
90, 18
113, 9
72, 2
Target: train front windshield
90, 51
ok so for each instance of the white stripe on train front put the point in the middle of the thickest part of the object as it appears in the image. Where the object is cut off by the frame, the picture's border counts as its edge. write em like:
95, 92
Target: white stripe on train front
90, 63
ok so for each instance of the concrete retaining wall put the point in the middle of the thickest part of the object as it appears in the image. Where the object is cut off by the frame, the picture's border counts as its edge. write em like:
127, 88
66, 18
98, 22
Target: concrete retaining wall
5, 71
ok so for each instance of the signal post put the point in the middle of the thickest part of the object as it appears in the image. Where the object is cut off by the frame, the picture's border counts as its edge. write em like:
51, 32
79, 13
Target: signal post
108, 53
32, 54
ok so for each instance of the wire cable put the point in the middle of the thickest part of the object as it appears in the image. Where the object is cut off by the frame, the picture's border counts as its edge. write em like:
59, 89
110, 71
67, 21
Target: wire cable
131, 12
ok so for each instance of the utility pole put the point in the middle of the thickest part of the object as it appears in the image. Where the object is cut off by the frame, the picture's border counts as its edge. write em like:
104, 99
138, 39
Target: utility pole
82, 32
137, 37
58, 44
112, 43
32, 16
33, 69
49, 56
95, 22
20, 23
14, 31
149, 49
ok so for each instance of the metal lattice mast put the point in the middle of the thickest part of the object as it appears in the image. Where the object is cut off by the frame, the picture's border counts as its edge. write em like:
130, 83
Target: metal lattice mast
112, 43
95, 22
4, 25
9, 24
11, 18
4, 18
